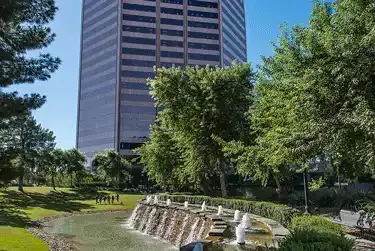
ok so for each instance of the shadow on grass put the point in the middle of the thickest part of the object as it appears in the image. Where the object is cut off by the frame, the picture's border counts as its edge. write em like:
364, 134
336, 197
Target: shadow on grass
12, 203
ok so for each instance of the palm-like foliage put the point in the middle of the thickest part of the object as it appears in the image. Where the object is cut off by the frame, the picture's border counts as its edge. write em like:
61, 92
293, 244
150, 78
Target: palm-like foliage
111, 164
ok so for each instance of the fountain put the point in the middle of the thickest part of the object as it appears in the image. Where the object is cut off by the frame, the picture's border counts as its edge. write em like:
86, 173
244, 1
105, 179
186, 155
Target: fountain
203, 206
156, 200
148, 199
220, 211
237, 216
186, 204
240, 235
168, 202
246, 222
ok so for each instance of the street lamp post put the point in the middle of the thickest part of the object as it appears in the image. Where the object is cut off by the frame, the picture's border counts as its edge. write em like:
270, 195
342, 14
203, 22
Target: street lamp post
306, 190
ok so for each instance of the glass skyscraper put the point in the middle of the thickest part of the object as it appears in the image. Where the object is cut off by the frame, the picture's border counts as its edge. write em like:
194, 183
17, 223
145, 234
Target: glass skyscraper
121, 42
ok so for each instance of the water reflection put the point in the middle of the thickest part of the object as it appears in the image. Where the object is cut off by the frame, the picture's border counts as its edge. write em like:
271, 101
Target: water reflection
105, 232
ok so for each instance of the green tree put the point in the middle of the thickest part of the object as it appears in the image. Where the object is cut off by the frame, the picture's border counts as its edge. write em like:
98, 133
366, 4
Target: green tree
52, 163
26, 139
111, 164
316, 94
161, 158
24, 28
199, 105
74, 163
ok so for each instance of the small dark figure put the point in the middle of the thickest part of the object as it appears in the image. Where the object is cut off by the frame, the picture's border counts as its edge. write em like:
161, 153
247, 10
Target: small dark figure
109, 199
104, 198
118, 198
113, 199
100, 199
97, 199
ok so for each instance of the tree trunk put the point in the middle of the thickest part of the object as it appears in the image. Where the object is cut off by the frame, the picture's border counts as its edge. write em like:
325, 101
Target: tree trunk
71, 180
279, 188
205, 186
53, 181
20, 183
223, 185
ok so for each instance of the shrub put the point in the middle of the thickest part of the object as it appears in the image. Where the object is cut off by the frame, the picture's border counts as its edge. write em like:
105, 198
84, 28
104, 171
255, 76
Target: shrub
278, 212
316, 223
308, 240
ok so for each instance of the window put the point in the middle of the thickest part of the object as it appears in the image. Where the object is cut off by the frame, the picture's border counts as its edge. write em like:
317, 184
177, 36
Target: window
171, 21
130, 146
139, 18
138, 29
203, 35
213, 47
171, 11
203, 25
172, 54
143, 52
138, 40
171, 43
203, 4
202, 14
204, 57
129, 6
171, 33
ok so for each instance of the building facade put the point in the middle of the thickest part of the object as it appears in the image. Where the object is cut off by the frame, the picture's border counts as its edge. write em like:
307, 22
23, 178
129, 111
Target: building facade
122, 41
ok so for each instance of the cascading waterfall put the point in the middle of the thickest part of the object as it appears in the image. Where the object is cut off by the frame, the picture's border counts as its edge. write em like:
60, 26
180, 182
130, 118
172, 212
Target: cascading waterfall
174, 225
132, 218
193, 231
150, 220
201, 230
144, 219
171, 226
161, 226
182, 230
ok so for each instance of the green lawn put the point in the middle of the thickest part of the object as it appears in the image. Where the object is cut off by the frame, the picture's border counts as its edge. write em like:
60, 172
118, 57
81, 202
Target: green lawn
18, 209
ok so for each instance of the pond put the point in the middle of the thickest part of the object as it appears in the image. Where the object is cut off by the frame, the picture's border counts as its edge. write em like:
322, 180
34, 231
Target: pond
110, 232
107, 232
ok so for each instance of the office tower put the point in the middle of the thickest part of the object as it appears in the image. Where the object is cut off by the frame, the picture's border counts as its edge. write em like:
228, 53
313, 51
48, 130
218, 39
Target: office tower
122, 41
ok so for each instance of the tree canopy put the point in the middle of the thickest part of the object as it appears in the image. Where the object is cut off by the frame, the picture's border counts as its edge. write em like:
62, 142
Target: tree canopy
23, 29
198, 105
315, 97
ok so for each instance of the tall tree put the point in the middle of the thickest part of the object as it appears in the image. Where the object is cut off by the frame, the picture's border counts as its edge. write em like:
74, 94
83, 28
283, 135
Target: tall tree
24, 28
74, 162
112, 163
316, 94
161, 157
52, 163
27, 140
200, 104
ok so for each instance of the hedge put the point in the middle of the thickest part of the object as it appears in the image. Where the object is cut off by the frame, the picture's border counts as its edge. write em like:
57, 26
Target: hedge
278, 212
316, 223
310, 240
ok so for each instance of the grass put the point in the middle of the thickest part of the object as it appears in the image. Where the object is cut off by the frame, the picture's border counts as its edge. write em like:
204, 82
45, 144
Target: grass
17, 210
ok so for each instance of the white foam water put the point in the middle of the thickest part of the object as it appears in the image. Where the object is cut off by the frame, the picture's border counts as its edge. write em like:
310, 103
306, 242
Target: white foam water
150, 220
161, 226
182, 230
131, 220
144, 219
193, 231
201, 231
169, 231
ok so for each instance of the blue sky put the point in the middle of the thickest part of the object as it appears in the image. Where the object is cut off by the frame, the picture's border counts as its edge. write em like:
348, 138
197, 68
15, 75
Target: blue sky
59, 114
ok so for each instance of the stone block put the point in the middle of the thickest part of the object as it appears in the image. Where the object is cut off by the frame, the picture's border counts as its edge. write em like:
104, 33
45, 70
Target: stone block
217, 232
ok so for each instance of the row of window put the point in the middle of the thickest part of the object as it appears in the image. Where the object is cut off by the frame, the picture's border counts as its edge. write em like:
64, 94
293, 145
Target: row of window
129, 146
167, 54
168, 32
191, 2
170, 21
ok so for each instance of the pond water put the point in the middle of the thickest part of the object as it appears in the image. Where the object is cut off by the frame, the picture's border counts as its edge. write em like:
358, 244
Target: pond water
109, 232
105, 232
